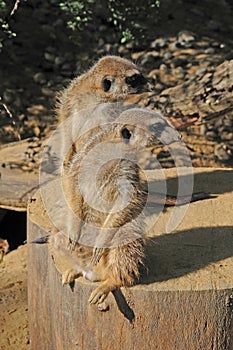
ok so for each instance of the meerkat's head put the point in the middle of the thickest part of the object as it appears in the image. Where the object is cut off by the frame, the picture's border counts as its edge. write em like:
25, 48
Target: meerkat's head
111, 79
114, 78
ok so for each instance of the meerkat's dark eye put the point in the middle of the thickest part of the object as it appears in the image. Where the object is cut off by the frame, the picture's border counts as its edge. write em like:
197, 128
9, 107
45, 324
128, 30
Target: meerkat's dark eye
126, 134
106, 84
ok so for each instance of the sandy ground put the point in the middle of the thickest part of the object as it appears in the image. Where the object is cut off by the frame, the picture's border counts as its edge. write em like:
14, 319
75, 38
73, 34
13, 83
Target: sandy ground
13, 301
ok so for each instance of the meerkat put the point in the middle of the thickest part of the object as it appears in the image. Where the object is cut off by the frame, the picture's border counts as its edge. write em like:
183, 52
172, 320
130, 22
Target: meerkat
117, 249
106, 245
94, 97
111, 79
97, 96
100, 245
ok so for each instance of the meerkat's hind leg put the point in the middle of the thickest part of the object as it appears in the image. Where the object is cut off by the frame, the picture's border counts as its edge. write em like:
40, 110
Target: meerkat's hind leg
101, 293
70, 275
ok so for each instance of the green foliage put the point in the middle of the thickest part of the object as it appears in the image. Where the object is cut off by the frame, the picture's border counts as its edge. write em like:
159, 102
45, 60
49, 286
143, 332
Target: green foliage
127, 21
5, 29
126, 36
132, 18
129, 18
80, 12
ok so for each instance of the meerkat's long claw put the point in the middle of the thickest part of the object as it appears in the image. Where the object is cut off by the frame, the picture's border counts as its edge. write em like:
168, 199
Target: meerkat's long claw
97, 296
69, 276
101, 293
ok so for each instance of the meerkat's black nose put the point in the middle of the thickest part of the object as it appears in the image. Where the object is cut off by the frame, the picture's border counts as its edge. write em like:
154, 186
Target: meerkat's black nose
138, 82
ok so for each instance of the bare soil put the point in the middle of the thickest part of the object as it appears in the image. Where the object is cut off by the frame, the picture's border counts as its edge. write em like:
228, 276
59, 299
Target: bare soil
13, 301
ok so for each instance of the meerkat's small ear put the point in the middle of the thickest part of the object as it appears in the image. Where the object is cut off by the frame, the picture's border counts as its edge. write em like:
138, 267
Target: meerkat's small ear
106, 84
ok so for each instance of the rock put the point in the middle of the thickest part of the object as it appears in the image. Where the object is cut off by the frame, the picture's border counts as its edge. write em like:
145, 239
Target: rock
59, 60
186, 38
210, 50
69, 56
179, 62
17, 102
202, 129
47, 28
108, 48
179, 72
168, 55
36, 130
151, 60
66, 73
101, 42
47, 92
227, 136
49, 56
158, 44
67, 66
228, 121
39, 78
211, 135
22, 117
129, 45
201, 71
59, 22
51, 49
8, 96
222, 152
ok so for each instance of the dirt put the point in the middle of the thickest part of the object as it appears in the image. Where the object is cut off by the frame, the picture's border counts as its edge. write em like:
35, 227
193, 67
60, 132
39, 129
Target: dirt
13, 301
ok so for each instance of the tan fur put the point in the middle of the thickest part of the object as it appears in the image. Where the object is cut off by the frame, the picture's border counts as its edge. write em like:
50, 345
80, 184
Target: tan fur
86, 90
113, 250
115, 263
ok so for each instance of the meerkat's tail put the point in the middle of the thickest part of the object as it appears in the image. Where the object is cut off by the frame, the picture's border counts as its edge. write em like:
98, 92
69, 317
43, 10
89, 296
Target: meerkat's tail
125, 261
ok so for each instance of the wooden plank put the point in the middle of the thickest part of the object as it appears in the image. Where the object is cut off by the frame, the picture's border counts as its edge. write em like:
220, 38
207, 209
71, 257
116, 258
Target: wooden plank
18, 173
185, 301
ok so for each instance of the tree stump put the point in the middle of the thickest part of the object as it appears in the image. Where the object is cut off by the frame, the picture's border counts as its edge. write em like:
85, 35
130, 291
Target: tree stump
185, 301
18, 173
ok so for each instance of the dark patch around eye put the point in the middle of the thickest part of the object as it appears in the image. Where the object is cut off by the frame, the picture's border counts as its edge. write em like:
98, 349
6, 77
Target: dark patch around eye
136, 80
106, 84
126, 134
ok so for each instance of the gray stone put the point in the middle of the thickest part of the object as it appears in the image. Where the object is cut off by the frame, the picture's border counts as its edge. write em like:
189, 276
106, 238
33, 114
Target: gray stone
39, 78
8, 96
222, 152
47, 92
49, 56
59, 60
210, 50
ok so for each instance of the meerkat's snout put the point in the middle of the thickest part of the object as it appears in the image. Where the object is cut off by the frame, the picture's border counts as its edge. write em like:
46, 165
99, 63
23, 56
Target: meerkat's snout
133, 84
138, 83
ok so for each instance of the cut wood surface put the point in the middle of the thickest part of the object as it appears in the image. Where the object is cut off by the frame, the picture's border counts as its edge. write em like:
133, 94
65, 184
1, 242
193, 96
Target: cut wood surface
18, 173
183, 302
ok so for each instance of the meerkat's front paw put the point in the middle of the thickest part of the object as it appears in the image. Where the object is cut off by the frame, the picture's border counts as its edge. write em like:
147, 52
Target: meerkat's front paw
101, 293
69, 276
98, 295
